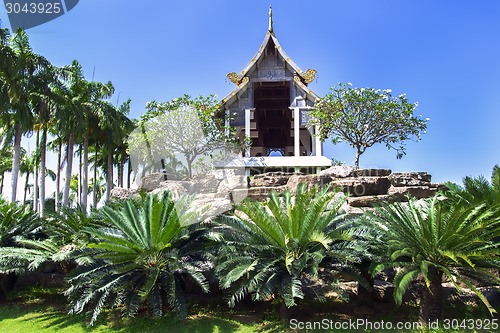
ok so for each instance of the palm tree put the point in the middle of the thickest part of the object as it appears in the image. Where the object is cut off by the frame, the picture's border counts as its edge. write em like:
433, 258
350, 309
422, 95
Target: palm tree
56, 145
73, 90
139, 258
27, 166
476, 190
20, 75
276, 248
432, 239
45, 104
95, 117
5, 164
64, 233
118, 127
16, 221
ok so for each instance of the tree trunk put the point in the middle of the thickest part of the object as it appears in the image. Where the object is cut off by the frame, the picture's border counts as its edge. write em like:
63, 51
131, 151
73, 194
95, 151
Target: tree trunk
35, 174
69, 165
431, 303
16, 160
85, 173
121, 167
26, 186
94, 192
129, 167
58, 175
109, 178
189, 162
43, 171
356, 160
79, 185
1, 182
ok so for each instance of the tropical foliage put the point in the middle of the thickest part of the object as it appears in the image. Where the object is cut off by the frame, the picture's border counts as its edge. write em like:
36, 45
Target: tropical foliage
363, 117
57, 104
277, 248
432, 240
158, 136
140, 258
476, 190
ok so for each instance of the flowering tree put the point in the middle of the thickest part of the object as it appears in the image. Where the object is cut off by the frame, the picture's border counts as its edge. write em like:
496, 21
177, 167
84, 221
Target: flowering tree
184, 130
363, 117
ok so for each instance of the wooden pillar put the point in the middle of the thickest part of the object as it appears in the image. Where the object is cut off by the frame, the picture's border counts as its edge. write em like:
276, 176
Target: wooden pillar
317, 142
227, 122
296, 131
247, 129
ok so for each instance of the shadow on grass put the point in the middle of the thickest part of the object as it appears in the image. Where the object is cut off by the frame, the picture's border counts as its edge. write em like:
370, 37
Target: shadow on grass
112, 322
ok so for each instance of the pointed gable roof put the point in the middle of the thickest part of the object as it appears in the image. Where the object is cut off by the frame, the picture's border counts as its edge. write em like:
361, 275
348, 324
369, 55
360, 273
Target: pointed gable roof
301, 78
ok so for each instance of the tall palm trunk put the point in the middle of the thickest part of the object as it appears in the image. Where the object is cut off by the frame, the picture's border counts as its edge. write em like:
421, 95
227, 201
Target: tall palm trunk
58, 175
1, 182
109, 178
35, 180
26, 185
69, 167
43, 154
16, 160
95, 178
129, 167
119, 174
85, 173
79, 189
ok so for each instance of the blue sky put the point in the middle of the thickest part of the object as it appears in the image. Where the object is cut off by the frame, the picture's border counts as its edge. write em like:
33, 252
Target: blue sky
443, 54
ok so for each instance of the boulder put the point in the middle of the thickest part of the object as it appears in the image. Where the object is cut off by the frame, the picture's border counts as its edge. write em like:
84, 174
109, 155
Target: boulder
410, 179
269, 179
351, 211
120, 193
176, 187
362, 186
309, 180
419, 192
234, 187
341, 171
384, 291
371, 200
211, 204
152, 181
440, 187
204, 184
339, 198
372, 172
262, 193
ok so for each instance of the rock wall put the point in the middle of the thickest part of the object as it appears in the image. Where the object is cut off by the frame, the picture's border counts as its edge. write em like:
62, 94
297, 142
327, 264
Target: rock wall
365, 187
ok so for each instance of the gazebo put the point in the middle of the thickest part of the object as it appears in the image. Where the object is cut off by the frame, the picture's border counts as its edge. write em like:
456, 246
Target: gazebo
270, 107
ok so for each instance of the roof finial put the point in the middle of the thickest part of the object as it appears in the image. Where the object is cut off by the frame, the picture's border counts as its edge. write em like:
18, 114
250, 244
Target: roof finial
270, 28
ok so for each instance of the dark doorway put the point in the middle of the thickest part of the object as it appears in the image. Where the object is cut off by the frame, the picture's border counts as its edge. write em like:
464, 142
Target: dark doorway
272, 116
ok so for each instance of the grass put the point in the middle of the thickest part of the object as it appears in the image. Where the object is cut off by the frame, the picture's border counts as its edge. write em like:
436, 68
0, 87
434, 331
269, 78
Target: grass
42, 310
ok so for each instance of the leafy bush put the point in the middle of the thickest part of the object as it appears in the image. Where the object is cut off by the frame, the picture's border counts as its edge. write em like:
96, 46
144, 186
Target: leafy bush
476, 190
277, 248
432, 239
61, 236
139, 258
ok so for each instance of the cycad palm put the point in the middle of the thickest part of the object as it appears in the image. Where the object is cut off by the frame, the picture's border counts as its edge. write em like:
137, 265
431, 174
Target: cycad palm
139, 258
432, 240
276, 248
476, 190
16, 221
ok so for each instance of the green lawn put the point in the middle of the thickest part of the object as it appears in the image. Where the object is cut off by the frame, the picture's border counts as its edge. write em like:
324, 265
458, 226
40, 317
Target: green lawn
43, 310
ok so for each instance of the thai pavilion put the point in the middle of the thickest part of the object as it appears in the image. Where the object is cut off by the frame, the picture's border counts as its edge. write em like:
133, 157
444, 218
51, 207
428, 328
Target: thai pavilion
270, 105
